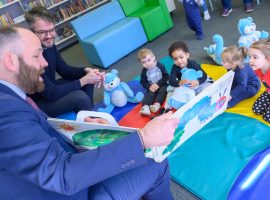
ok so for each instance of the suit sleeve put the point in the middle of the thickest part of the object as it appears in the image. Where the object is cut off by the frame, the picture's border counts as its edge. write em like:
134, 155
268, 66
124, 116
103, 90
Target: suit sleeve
165, 76
174, 76
67, 71
144, 82
241, 81
28, 152
53, 92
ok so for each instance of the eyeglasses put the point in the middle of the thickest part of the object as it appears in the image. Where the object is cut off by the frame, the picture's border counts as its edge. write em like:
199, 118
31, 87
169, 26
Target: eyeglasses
44, 32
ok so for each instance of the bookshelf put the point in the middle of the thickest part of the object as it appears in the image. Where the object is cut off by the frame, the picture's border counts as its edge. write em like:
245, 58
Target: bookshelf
63, 11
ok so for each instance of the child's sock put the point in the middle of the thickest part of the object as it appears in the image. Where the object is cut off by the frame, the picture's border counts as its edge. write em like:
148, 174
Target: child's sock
199, 2
206, 15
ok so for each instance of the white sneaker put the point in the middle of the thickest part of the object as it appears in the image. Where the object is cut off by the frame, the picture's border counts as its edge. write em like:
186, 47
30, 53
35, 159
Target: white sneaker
155, 107
145, 110
206, 15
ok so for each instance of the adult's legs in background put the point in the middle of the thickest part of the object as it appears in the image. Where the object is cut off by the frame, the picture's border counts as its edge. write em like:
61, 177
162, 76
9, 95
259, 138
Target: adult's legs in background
193, 17
74, 101
150, 182
227, 4
89, 90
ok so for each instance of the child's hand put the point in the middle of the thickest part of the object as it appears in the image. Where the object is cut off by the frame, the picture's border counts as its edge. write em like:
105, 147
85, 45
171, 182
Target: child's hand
184, 82
194, 84
154, 87
230, 97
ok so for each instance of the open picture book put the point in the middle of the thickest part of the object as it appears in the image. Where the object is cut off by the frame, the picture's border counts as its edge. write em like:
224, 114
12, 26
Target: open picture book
193, 116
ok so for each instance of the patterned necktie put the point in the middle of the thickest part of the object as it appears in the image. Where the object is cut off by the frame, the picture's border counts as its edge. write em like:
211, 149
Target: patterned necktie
32, 103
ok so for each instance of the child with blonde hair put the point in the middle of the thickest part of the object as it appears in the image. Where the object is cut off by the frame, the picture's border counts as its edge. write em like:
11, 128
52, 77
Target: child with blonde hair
259, 53
154, 79
245, 82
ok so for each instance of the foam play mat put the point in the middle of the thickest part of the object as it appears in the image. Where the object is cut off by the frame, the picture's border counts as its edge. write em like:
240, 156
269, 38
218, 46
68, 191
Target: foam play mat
220, 160
214, 161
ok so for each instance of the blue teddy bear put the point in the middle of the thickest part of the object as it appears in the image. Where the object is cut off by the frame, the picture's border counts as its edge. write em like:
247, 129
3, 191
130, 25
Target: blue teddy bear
215, 50
117, 93
248, 32
183, 94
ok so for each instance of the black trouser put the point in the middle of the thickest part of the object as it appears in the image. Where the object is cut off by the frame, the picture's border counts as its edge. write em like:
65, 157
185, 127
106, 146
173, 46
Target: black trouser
153, 97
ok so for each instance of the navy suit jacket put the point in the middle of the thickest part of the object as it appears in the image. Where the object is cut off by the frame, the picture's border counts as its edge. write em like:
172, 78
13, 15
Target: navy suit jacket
36, 163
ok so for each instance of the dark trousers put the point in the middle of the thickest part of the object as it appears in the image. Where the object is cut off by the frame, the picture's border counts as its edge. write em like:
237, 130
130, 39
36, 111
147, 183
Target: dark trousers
193, 17
227, 4
150, 182
152, 97
74, 101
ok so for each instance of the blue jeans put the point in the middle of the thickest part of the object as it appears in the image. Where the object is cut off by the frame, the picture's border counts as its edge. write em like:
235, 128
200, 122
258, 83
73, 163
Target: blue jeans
150, 182
227, 4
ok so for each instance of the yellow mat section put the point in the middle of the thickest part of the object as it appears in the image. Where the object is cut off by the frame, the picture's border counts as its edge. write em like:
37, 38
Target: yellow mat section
244, 107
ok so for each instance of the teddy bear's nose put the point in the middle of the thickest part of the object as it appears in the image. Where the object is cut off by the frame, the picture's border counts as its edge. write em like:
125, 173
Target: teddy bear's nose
111, 83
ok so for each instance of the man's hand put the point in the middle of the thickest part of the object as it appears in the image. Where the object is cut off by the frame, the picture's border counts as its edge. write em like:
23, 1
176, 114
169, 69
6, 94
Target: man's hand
93, 76
159, 131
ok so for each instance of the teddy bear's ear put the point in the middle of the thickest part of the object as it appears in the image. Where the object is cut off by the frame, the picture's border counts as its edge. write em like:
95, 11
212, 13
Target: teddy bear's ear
250, 18
183, 70
114, 71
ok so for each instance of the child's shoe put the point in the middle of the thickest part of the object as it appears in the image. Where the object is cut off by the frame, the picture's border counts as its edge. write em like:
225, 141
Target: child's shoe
249, 7
145, 110
155, 107
226, 12
206, 15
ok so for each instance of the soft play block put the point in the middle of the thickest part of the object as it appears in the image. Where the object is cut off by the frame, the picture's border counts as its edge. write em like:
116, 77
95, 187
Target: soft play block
106, 34
154, 15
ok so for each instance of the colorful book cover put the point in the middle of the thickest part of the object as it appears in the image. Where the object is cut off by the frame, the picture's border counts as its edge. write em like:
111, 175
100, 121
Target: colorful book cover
193, 116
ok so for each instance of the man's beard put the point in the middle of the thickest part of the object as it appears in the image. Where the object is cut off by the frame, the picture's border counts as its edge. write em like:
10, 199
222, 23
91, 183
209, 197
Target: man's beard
28, 78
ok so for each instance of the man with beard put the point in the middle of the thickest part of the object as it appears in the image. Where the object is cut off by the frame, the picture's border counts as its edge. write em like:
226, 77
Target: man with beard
36, 163
74, 92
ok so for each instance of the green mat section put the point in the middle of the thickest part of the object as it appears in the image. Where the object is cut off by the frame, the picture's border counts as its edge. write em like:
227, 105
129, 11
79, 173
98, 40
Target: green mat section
208, 163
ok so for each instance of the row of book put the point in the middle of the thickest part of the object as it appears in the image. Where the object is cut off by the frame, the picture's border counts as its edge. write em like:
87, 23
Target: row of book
71, 9
4, 2
45, 3
5, 19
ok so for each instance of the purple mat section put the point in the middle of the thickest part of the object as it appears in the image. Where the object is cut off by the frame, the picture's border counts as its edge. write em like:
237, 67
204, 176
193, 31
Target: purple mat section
254, 180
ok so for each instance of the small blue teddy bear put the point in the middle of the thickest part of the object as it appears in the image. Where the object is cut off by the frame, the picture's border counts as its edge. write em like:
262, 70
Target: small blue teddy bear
183, 94
117, 93
249, 35
215, 50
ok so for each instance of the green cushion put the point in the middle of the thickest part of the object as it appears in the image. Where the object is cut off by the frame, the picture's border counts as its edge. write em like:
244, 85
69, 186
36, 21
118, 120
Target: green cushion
154, 15
153, 21
130, 6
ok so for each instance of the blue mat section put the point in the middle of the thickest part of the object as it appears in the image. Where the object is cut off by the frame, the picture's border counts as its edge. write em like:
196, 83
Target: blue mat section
209, 162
